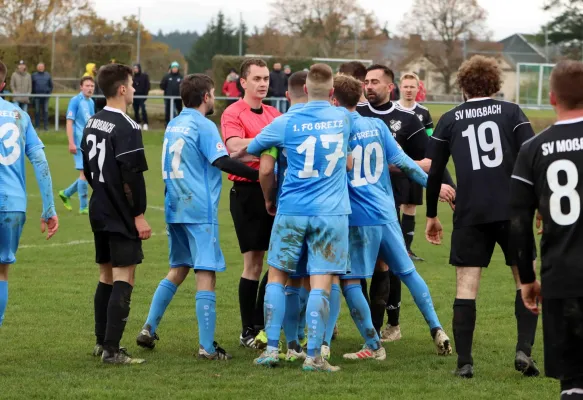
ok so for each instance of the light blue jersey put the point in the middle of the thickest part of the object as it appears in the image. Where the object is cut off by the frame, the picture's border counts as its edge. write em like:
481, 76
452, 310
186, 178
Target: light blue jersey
17, 139
193, 186
80, 110
315, 140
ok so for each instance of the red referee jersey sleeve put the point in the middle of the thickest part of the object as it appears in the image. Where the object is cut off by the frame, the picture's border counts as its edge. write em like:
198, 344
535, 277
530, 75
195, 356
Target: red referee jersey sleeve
231, 125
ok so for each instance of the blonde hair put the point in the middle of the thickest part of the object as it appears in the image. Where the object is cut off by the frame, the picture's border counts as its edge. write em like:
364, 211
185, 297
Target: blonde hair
410, 75
319, 81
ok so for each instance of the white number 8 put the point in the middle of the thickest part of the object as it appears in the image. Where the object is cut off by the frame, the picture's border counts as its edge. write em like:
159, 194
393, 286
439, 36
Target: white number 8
11, 142
567, 190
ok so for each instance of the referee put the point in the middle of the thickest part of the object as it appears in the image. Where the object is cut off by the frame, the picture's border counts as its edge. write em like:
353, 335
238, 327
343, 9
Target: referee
240, 123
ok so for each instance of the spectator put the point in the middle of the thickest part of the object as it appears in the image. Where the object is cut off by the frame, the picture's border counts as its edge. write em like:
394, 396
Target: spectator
142, 86
287, 71
422, 93
230, 87
277, 86
42, 83
91, 70
21, 82
171, 86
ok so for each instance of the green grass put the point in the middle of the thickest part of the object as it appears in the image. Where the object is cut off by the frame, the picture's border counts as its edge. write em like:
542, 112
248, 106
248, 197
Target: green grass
47, 336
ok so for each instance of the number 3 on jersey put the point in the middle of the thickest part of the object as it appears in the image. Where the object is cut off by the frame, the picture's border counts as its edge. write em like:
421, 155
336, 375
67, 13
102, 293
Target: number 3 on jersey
309, 147
568, 190
496, 145
176, 148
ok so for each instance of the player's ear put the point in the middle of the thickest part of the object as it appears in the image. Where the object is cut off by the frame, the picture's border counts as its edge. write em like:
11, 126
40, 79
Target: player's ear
287, 96
552, 99
331, 93
305, 89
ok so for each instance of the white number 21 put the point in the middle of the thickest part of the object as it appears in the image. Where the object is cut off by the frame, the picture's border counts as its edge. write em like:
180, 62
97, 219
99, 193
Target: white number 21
309, 147
496, 145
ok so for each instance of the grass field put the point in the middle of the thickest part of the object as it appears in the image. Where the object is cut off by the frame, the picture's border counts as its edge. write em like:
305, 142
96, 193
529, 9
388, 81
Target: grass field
47, 336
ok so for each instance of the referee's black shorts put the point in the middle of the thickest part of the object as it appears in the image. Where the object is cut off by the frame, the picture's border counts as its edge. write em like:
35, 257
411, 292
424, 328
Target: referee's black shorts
252, 222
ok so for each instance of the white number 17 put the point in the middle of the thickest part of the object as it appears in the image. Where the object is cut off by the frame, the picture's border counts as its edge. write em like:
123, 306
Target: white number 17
309, 147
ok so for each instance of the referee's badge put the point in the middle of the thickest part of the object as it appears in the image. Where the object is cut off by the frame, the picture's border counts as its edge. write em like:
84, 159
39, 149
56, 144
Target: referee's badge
395, 125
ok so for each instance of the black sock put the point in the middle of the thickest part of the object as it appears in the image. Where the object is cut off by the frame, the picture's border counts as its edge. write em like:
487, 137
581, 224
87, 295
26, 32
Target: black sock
526, 325
379, 294
100, 304
394, 302
568, 389
364, 287
408, 228
258, 319
247, 298
118, 311
464, 323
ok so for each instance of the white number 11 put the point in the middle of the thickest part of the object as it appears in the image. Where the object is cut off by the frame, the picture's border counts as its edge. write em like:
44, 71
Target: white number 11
176, 148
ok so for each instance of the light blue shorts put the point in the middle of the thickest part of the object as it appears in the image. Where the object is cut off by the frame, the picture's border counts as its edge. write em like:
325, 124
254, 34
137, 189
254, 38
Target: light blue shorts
302, 269
11, 224
367, 243
78, 158
325, 239
196, 246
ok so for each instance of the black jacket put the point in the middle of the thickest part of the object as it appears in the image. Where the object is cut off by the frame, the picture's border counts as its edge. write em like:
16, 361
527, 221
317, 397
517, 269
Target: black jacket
141, 82
42, 83
277, 84
171, 84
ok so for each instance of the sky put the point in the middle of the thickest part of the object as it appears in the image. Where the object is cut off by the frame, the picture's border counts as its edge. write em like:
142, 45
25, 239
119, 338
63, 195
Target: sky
505, 17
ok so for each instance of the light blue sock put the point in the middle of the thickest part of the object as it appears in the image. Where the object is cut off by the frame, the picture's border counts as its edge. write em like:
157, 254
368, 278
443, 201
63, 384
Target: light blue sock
304, 294
162, 297
207, 319
422, 297
83, 188
274, 313
335, 296
71, 190
317, 313
360, 313
3, 299
292, 314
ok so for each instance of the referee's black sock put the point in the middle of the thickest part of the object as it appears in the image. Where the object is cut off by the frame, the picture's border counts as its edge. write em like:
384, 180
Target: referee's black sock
394, 302
464, 323
364, 287
100, 304
247, 299
118, 311
572, 389
408, 228
259, 321
526, 325
379, 294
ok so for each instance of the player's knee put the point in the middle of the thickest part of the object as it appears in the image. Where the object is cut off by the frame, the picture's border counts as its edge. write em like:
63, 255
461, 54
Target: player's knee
381, 266
124, 274
178, 275
253, 264
4, 272
408, 209
82, 176
205, 280
106, 274
277, 276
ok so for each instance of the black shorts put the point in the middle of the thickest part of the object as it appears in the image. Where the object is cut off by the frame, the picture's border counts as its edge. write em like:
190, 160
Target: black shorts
252, 222
472, 246
563, 337
407, 192
117, 249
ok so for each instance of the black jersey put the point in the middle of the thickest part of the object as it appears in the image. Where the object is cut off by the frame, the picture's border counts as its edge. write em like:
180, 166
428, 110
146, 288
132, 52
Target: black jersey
422, 113
112, 143
547, 173
483, 136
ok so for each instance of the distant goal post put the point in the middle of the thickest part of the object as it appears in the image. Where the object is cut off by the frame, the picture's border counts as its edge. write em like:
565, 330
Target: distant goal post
532, 84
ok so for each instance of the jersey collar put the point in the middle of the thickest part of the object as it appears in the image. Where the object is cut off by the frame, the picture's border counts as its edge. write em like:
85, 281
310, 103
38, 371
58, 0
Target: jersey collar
318, 103
296, 106
478, 99
111, 109
374, 110
406, 108
187, 110
569, 121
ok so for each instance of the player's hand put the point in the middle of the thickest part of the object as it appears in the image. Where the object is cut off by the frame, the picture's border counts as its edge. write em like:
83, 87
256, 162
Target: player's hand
270, 207
531, 296
447, 194
433, 231
50, 225
144, 230
239, 154
539, 223
72, 148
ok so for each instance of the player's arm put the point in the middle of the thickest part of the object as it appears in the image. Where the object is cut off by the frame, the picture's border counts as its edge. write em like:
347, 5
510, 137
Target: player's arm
522, 130
71, 113
236, 167
267, 178
396, 156
271, 136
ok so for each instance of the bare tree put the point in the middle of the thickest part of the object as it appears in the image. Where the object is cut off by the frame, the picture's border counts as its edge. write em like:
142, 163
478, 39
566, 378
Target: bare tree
443, 26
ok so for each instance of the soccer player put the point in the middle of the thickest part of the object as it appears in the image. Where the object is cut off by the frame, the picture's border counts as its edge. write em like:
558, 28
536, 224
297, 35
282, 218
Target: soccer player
240, 123
409, 88
114, 163
483, 136
271, 179
312, 212
385, 287
19, 139
193, 156
81, 108
357, 70
546, 177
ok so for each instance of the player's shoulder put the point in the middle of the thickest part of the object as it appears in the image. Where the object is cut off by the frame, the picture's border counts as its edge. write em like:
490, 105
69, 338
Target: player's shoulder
270, 110
422, 107
121, 120
235, 109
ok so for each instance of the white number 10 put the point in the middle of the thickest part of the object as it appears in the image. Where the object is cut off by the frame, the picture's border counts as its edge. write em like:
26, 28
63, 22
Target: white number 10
496, 145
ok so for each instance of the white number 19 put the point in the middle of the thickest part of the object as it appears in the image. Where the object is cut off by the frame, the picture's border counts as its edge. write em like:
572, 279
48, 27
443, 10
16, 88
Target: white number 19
496, 145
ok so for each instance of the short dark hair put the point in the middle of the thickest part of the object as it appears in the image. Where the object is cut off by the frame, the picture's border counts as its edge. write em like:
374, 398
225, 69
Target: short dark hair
355, 69
296, 83
566, 84
86, 78
111, 76
246, 66
3, 72
480, 77
388, 72
193, 88
347, 90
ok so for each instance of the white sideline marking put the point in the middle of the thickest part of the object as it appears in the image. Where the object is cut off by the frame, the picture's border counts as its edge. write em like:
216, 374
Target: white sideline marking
71, 243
